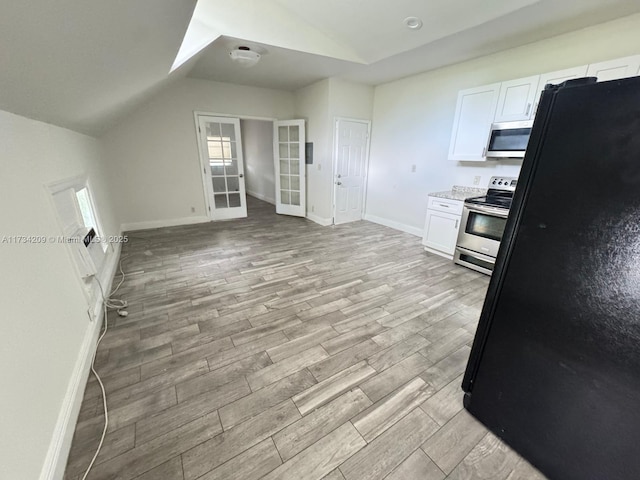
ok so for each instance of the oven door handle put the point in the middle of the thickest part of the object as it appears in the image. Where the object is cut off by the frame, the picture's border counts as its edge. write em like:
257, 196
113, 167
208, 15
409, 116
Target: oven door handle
496, 212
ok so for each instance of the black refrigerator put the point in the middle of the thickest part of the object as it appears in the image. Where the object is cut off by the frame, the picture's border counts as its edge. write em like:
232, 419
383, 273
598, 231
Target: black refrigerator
555, 365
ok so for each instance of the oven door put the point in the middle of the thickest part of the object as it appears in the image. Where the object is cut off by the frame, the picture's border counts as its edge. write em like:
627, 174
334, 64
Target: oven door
482, 228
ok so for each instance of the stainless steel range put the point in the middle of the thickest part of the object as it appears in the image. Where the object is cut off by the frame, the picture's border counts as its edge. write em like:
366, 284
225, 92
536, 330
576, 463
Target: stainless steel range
483, 222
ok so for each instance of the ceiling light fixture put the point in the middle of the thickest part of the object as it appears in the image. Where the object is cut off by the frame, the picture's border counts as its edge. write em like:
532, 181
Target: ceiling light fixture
244, 56
414, 23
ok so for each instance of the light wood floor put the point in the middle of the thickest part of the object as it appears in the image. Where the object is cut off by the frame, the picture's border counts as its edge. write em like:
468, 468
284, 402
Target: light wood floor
271, 347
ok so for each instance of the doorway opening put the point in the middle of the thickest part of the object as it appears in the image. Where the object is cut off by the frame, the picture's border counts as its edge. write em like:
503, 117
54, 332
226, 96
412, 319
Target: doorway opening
259, 167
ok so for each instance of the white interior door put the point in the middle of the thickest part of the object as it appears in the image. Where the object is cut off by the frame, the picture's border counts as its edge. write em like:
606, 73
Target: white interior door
289, 155
352, 139
222, 166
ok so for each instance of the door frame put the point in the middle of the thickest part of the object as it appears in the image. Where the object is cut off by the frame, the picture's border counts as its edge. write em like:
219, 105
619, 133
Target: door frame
334, 160
203, 174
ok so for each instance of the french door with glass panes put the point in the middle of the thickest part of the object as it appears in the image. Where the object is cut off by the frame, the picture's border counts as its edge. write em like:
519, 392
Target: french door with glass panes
221, 154
289, 153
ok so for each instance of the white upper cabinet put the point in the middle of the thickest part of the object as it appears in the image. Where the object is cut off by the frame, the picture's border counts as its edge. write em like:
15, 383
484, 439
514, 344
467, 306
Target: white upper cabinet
556, 78
516, 99
615, 69
561, 76
475, 112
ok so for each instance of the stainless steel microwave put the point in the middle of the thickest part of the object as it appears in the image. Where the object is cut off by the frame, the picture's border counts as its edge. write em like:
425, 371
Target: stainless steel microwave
509, 139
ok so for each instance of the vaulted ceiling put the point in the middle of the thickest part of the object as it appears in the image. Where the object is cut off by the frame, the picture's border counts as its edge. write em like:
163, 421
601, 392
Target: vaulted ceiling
83, 64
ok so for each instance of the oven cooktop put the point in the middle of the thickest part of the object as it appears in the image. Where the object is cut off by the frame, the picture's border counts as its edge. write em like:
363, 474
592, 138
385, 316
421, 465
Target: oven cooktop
492, 201
499, 194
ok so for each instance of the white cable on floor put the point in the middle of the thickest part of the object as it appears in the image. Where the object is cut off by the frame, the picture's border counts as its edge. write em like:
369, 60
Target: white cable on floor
107, 302
104, 395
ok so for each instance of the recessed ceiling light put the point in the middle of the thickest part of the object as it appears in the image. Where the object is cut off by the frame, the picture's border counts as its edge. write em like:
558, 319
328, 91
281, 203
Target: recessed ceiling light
414, 23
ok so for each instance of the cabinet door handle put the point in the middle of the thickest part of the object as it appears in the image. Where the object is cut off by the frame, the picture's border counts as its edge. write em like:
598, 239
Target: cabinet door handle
443, 205
456, 227
528, 109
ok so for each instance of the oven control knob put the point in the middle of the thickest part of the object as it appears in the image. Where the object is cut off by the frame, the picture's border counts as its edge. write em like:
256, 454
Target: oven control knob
499, 183
494, 182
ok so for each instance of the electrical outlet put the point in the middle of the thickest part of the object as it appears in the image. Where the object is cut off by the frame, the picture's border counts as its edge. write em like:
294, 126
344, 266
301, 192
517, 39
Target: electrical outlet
476, 180
193, 209
413, 169
319, 166
313, 208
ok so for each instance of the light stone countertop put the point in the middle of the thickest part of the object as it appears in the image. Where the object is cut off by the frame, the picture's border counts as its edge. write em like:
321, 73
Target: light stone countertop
460, 193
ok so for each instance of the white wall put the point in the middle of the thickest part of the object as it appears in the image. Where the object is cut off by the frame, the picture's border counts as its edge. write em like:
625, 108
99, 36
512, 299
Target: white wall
257, 148
312, 104
153, 153
44, 324
413, 117
350, 100
319, 104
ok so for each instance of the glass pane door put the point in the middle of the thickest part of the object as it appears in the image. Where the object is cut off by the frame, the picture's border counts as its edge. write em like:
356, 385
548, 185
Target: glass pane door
290, 168
223, 167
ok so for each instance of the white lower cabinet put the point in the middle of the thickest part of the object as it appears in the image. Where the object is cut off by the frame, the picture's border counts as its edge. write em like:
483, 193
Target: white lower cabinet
441, 226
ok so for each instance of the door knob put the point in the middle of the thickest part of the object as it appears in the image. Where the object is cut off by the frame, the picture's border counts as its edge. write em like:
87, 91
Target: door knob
241, 175
338, 183
339, 176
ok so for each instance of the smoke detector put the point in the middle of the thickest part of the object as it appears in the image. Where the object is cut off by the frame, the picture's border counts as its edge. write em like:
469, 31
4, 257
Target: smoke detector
244, 56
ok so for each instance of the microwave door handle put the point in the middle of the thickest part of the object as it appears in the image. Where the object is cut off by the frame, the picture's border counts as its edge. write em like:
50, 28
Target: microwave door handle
489, 211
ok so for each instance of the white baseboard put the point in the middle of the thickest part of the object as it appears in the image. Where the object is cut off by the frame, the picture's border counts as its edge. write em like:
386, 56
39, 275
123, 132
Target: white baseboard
171, 222
262, 197
325, 222
431, 250
60, 445
395, 225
